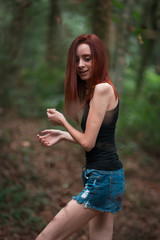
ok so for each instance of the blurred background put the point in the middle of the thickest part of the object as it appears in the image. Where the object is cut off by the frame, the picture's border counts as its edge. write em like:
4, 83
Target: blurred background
35, 182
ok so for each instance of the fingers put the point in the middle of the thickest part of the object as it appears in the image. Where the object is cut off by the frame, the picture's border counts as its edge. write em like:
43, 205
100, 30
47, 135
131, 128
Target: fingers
42, 140
51, 110
49, 114
47, 131
54, 116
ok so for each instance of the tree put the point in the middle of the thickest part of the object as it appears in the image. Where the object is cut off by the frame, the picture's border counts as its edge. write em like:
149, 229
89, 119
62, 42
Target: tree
149, 31
54, 19
125, 9
101, 22
12, 48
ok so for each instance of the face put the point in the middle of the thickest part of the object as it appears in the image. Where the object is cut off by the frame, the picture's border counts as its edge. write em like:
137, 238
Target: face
84, 61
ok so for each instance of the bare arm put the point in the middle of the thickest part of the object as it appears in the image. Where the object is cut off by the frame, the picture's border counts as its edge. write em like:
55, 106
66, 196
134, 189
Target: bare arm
103, 95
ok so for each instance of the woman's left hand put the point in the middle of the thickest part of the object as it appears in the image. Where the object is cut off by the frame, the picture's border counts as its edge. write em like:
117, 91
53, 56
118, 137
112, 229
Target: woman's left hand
56, 118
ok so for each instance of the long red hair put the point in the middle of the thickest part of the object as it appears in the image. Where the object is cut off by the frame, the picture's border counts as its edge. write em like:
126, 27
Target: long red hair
75, 88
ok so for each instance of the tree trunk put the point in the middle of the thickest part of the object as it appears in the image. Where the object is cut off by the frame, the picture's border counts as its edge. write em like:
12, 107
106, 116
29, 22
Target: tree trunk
101, 21
12, 50
115, 40
150, 31
122, 37
54, 20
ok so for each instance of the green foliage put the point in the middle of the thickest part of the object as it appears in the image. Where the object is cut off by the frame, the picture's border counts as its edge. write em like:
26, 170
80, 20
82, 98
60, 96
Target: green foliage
118, 4
137, 16
139, 118
149, 112
44, 88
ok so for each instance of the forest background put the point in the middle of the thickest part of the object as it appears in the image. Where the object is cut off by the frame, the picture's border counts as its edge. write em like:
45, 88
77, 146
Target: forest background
35, 37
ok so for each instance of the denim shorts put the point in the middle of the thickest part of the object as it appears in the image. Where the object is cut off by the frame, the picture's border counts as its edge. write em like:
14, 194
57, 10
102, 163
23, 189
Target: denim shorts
103, 190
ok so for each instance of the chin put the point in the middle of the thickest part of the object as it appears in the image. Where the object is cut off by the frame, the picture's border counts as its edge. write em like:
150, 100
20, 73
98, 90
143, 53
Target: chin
85, 79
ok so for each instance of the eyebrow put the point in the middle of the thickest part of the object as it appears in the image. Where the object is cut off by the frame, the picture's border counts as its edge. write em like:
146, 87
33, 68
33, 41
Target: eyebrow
85, 55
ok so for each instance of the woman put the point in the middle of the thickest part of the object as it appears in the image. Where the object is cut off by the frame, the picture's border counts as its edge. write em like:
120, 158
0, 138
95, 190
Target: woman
88, 85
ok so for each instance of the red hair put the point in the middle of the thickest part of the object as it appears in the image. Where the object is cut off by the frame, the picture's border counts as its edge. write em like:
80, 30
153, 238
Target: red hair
75, 88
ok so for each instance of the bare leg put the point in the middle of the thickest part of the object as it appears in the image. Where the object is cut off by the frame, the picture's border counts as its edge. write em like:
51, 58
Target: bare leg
71, 218
101, 227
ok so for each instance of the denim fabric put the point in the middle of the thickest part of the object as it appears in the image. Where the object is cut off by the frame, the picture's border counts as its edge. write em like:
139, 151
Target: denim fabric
103, 190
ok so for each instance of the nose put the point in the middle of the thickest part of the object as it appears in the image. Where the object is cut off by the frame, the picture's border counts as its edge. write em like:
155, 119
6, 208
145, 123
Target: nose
81, 63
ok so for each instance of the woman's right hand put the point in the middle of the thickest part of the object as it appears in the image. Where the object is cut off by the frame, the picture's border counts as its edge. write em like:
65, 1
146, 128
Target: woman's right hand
50, 137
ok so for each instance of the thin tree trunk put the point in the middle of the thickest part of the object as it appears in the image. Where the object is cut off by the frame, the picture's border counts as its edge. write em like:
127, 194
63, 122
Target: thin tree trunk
101, 21
100, 18
54, 20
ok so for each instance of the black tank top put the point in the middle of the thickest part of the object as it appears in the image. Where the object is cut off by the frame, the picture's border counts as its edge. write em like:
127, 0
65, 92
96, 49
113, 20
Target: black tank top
104, 155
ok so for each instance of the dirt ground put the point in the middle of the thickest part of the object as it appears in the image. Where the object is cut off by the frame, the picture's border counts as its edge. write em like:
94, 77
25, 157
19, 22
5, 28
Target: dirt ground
50, 176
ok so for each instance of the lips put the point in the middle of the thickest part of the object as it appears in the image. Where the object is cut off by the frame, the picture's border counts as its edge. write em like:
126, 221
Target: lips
83, 72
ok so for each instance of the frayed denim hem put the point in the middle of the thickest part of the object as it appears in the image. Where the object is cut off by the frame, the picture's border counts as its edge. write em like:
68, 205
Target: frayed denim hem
87, 205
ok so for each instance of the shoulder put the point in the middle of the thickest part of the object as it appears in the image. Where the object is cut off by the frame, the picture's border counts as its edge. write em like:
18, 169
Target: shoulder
103, 89
104, 95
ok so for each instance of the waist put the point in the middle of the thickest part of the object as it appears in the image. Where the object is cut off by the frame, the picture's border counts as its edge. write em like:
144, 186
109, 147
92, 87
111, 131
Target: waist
115, 172
105, 165
102, 150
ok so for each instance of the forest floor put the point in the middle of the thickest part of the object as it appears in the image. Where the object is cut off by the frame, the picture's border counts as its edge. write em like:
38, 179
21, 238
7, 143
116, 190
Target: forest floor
37, 181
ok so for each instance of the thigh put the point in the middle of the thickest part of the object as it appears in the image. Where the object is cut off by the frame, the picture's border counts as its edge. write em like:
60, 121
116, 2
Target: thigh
101, 227
70, 219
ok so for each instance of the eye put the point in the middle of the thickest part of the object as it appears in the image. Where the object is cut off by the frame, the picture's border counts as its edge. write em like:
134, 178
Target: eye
87, 59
